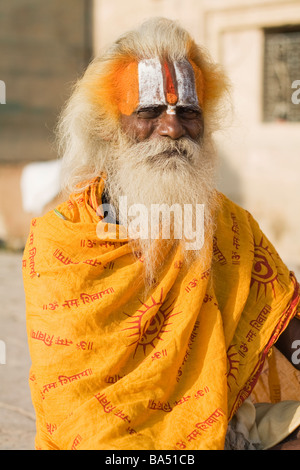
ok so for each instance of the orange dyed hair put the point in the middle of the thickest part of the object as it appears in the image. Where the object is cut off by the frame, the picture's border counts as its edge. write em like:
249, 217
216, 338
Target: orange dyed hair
199, 82
116, 90
112, 84
211, 81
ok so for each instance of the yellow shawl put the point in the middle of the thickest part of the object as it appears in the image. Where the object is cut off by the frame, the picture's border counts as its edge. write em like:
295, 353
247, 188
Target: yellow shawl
114, 370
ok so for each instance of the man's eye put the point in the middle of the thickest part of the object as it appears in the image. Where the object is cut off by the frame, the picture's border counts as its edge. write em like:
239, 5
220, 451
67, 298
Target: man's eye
149, 113
188, 113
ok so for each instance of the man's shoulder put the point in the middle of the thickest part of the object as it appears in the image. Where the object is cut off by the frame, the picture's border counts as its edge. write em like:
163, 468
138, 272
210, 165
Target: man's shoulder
230, 213
51, 223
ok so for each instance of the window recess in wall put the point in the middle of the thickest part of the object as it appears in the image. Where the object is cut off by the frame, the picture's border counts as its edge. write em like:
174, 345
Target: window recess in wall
281, 70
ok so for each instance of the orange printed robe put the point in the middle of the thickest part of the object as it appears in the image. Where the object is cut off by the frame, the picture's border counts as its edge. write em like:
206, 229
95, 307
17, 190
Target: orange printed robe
115, 369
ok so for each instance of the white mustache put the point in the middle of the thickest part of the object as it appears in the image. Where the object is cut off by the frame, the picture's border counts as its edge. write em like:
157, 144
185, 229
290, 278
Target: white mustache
159, 149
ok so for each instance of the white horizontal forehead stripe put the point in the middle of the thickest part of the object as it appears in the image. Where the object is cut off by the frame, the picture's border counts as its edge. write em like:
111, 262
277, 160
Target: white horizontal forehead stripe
185, 83
151, 83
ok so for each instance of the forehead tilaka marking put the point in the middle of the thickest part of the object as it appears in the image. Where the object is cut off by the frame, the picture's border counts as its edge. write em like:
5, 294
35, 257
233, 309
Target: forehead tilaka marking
151, 85
186, 82
168, 84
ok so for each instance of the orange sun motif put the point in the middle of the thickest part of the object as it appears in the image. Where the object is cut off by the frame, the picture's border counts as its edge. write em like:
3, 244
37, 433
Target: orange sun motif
147, 333
263, 274
231, 367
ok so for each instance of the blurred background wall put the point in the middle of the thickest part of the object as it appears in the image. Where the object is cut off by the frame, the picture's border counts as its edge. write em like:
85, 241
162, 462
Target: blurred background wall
45, 47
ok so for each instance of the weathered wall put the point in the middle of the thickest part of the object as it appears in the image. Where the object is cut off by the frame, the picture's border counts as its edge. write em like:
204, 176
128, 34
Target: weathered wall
259, 161
264, 157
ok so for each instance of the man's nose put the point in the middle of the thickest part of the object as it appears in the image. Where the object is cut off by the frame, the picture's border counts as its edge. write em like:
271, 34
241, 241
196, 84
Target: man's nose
170, 126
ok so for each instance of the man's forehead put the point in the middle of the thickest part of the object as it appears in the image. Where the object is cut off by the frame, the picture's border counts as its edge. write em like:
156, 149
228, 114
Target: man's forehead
166, 83
158, 83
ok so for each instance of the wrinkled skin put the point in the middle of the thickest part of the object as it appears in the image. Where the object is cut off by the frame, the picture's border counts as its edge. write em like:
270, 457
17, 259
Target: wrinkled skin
152, 122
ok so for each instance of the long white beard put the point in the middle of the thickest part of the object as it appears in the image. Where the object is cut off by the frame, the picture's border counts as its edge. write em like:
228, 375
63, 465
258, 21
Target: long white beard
165, 172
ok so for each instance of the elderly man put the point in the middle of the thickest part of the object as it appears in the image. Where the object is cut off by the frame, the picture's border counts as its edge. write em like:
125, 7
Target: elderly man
151, 332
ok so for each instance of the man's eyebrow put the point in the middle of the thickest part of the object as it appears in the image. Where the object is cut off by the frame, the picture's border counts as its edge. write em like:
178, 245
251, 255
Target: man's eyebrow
148, 106
193, 107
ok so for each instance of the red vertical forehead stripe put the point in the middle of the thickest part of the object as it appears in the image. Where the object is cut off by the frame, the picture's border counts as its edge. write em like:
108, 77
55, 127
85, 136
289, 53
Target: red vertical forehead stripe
171, 95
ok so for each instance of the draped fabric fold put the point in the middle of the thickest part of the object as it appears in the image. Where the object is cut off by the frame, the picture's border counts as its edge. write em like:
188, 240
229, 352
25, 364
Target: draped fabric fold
115, 369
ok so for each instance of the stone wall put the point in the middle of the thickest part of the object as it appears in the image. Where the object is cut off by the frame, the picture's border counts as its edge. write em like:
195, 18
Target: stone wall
43, 49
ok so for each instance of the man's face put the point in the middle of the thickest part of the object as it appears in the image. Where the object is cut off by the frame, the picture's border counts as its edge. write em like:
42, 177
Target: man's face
150, 169
159, 100
168, 104
154, 121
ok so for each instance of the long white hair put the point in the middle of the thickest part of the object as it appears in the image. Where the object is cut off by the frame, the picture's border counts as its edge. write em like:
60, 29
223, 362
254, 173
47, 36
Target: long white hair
88, 125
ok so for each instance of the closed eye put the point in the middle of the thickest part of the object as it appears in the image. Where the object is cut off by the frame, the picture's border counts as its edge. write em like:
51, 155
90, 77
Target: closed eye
188, 112
150, 112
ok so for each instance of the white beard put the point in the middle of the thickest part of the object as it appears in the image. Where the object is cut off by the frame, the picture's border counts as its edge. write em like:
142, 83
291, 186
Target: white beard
164, 171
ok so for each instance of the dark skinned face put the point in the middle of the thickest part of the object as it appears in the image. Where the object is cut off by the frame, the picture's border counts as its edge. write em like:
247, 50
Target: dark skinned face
152, 122
179, 116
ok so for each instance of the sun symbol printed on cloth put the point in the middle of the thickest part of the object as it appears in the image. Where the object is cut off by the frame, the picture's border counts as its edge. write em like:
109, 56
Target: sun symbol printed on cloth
147, 327
263, 273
